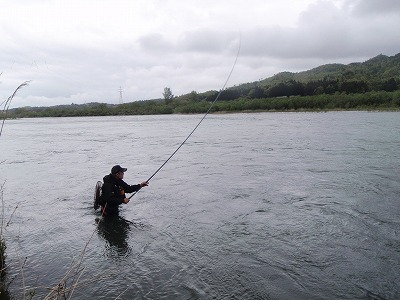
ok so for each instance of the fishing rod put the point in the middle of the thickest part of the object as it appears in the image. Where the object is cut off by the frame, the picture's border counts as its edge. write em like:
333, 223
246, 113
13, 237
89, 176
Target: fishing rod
201, 120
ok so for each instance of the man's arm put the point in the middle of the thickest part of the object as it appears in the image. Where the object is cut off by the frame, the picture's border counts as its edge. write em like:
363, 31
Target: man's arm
135, 187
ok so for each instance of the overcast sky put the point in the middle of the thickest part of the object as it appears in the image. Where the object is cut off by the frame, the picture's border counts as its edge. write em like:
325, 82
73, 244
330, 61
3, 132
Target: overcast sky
80, 51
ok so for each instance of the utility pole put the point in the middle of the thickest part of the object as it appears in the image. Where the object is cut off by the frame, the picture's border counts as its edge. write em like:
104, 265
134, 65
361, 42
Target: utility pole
120, 96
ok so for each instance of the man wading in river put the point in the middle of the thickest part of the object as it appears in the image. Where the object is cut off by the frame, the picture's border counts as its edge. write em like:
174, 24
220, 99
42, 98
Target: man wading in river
114, 189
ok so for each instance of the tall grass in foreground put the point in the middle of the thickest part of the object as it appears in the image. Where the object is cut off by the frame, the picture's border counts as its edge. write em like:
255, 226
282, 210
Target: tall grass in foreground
3, 245
4, 293
65, 288
4, 283
3, 287
71, 280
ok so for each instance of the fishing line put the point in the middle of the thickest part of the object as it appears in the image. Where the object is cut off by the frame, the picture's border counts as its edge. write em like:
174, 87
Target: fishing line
205, 115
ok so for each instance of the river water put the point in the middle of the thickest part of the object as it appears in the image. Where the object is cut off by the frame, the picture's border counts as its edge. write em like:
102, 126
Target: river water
253, 206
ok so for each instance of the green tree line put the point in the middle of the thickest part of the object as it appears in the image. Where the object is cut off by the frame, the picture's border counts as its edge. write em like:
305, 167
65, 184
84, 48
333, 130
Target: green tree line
381, 100
311, 88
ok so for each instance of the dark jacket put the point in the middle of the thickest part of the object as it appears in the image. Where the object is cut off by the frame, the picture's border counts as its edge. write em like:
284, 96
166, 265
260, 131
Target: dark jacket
113, 193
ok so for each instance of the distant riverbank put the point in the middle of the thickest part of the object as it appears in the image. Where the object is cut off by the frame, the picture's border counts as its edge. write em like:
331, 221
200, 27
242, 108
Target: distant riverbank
371, 101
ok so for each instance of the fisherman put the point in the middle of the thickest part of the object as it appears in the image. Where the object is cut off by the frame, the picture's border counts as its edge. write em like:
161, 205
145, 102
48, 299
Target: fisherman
114, 189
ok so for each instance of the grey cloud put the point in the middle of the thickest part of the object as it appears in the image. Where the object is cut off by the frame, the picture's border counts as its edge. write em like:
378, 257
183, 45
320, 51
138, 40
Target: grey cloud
201, 40
206, 40
155, 43
325, 31
374, 7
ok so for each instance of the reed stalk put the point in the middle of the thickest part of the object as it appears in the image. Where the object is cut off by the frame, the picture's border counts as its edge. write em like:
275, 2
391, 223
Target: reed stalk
63, 289
7, 103
3, 245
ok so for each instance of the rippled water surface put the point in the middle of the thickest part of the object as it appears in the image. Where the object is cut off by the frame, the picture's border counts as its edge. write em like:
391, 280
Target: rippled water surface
253, 206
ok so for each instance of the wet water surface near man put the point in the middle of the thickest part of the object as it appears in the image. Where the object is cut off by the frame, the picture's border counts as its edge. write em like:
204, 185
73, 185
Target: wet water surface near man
253, 206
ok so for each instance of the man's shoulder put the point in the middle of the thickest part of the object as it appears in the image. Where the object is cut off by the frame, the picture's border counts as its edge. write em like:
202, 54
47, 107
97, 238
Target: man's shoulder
107, 178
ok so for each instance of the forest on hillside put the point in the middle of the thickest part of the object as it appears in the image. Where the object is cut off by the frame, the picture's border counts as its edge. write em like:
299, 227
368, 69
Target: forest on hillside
381, 73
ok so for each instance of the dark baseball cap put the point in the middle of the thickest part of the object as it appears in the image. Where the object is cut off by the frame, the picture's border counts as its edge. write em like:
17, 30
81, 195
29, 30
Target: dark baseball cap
118, 168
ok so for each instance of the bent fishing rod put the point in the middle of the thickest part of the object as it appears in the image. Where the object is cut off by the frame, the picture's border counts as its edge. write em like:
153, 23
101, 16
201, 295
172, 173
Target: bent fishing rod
201, 120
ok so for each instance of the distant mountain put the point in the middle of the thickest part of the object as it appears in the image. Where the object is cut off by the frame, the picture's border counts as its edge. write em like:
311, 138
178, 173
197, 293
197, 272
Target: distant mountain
380, 73
382, 67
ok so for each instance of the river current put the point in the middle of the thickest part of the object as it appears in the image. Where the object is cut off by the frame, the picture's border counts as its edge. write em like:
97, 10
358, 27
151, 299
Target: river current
253, 206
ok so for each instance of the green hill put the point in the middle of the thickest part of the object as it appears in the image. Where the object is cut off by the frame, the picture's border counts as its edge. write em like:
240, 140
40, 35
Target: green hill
381, 73
381, 66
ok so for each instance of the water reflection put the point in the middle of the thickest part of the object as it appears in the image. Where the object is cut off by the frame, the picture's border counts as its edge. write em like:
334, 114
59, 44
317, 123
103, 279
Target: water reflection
115, 230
